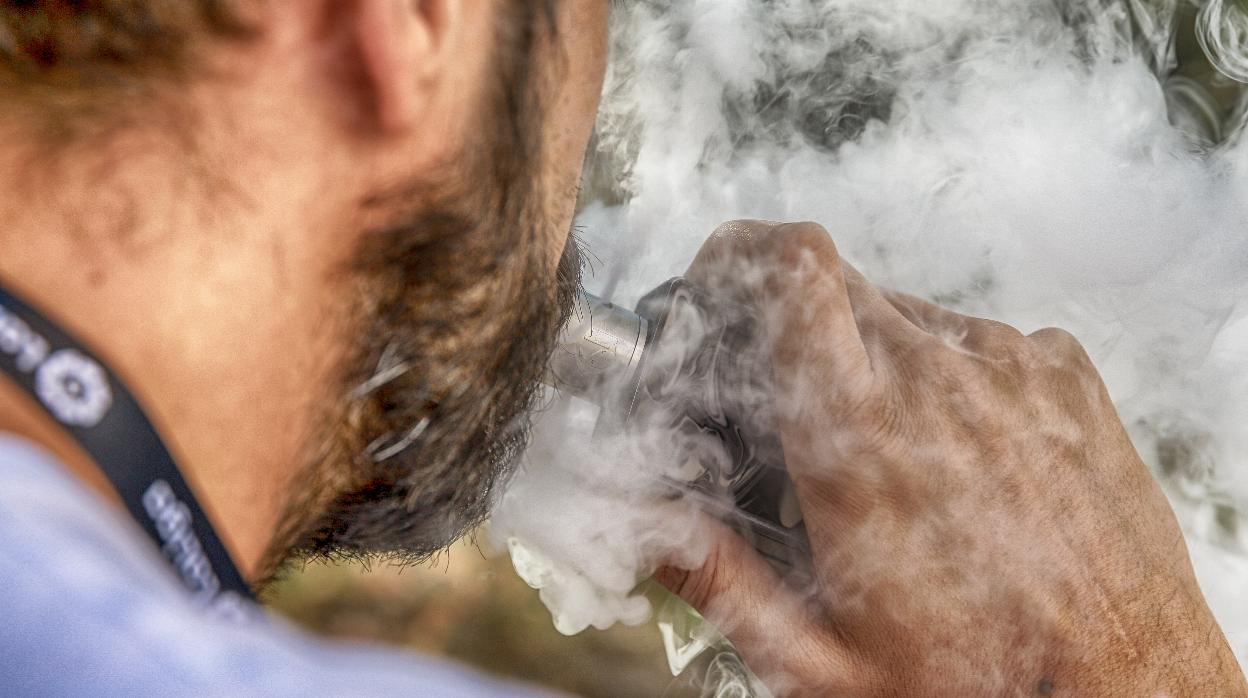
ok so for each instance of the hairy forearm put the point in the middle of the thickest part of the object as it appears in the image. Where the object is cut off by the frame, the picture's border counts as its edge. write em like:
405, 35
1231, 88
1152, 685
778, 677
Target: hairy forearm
1177, 650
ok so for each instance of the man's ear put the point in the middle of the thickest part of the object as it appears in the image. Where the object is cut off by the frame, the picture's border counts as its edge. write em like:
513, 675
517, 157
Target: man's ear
402, 48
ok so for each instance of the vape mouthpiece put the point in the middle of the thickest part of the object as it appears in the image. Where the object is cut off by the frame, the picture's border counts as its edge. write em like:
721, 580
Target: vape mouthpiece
601, 345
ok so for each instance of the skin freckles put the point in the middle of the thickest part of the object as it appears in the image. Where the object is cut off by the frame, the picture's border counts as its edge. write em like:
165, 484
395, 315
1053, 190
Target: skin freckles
980, 523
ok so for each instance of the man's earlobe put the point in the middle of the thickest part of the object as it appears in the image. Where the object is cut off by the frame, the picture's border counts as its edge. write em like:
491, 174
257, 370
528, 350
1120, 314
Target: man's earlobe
400, 47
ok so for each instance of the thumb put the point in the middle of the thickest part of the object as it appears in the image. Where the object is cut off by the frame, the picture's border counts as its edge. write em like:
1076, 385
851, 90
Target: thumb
770, 624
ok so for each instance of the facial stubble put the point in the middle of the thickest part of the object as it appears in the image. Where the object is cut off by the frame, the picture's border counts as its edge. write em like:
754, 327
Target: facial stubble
455, 306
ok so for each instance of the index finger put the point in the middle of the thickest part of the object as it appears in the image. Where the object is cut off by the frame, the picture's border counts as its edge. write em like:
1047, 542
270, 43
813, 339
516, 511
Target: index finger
791, 275
832, 337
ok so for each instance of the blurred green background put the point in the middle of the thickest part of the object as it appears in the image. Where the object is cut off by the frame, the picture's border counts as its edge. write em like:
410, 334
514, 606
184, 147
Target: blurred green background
475, 610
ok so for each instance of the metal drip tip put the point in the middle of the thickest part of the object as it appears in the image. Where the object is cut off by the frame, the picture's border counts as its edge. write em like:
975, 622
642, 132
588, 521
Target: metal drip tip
600, 349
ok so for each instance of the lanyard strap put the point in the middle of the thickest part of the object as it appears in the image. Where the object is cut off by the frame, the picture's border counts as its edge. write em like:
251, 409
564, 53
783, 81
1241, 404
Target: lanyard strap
95, 407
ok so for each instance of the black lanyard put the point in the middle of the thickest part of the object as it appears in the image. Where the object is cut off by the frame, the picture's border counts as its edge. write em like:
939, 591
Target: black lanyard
94, 406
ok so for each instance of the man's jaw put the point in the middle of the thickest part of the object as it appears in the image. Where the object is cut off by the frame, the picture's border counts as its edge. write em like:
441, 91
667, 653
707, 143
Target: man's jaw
407, 505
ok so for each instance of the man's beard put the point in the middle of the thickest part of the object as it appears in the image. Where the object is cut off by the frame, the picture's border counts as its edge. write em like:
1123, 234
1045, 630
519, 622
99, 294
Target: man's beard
456, 309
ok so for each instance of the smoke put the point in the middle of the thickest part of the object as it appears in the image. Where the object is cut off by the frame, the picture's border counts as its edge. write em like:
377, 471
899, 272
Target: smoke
1011, 159
1222, 28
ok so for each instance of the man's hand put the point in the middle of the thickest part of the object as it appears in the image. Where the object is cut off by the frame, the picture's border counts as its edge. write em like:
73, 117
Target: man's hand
980, 522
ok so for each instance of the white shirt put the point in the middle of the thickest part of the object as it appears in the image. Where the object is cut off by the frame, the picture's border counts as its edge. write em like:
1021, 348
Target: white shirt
88, 607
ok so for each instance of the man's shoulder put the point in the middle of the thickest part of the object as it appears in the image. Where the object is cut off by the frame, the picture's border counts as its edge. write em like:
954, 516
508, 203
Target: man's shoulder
90, 607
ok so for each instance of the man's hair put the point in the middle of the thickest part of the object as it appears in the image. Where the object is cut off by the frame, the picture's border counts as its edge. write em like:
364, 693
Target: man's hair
73, 65
67, 45
87, 58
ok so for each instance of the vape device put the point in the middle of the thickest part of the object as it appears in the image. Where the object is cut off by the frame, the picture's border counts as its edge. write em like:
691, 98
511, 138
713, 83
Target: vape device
692, 372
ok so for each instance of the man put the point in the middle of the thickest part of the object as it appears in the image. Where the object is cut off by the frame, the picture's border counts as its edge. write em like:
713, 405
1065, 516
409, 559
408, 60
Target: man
325, 246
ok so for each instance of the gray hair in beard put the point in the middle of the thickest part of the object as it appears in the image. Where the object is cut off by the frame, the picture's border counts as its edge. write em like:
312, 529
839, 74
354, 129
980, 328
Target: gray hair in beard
437, 424
456, 307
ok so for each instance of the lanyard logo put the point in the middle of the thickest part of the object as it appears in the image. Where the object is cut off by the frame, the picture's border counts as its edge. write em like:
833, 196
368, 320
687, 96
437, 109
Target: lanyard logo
173, 522
106, 420
72, 385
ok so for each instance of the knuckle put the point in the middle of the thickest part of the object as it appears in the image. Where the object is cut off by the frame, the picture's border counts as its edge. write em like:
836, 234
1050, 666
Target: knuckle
805, 237
797, 259
880, 425
1061, 344
1006, 341
1004, 332
1052, 336
802, 251
733, 246
729, 250
742, 230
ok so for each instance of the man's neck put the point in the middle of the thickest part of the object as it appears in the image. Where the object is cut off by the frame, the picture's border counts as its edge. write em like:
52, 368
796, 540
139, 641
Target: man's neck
194, 312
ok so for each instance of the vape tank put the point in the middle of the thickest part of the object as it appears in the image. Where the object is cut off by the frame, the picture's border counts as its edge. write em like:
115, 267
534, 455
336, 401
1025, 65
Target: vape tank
690, 371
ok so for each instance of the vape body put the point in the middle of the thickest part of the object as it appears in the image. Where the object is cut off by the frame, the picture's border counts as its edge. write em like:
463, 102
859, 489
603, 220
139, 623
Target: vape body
692, 372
